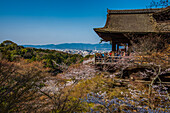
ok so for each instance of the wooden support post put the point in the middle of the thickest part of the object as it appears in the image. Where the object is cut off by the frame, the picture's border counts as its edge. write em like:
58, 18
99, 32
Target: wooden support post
125, 47
129, 48
113, 47
104, 58
118, 47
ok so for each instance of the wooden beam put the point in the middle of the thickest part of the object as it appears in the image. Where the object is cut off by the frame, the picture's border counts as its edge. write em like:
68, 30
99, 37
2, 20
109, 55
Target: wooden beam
118, 47
125, 47
113, 46
129, 48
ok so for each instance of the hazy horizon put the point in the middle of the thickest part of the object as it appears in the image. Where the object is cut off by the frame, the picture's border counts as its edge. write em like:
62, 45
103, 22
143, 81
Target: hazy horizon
44, 22
68, 43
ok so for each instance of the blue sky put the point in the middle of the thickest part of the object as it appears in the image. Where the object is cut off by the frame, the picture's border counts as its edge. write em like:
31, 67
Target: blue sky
57, 21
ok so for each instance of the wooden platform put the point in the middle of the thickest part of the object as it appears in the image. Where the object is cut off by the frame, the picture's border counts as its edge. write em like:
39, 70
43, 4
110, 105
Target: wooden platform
111, 59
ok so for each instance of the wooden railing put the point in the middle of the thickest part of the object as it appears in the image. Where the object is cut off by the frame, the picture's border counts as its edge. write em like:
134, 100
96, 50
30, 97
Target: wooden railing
137, 59
109, 59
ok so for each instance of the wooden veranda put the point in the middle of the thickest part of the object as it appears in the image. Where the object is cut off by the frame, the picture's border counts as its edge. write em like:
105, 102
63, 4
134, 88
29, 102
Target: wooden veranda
109, 59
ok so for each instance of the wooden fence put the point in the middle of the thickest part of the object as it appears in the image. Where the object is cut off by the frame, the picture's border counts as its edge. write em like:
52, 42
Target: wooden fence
109, 59
137, 59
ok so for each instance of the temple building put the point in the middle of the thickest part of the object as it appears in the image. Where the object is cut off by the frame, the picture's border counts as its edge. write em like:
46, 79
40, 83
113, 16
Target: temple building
139, 21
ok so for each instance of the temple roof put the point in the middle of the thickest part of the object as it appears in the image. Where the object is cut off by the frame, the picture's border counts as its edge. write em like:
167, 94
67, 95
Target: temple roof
162, 15
136, 21
134, 11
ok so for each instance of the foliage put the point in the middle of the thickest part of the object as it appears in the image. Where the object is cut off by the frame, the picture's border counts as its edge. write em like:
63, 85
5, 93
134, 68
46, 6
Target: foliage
149, 44
19, 85
21, 81
13, 52
125, 105
159, 3
63, 100
88, 56
68, 98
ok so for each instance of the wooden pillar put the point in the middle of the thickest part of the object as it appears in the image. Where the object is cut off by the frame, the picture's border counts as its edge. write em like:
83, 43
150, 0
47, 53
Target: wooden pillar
129, 48
125, 47
118, 47
113, 46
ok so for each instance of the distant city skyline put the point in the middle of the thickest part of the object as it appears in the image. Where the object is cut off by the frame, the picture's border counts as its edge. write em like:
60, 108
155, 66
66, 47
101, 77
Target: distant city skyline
56, 21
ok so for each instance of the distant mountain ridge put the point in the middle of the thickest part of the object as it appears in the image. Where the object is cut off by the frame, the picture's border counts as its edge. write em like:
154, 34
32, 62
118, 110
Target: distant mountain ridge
79, 46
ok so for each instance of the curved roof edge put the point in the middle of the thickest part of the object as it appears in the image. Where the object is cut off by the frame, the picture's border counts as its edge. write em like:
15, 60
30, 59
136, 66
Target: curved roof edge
157, 25
134, 11
106, 30
164, 10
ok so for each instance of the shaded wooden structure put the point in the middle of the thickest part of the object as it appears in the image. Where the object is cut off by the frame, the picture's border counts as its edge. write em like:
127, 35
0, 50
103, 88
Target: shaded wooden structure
139, 21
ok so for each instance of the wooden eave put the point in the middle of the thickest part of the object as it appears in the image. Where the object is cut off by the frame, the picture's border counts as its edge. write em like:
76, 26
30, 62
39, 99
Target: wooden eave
134, 11
164, 10
105, 30
119, 36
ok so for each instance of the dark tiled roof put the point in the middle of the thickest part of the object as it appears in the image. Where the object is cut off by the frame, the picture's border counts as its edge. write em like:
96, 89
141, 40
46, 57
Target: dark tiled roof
164, 10
136, 21
133, 11
162, 15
